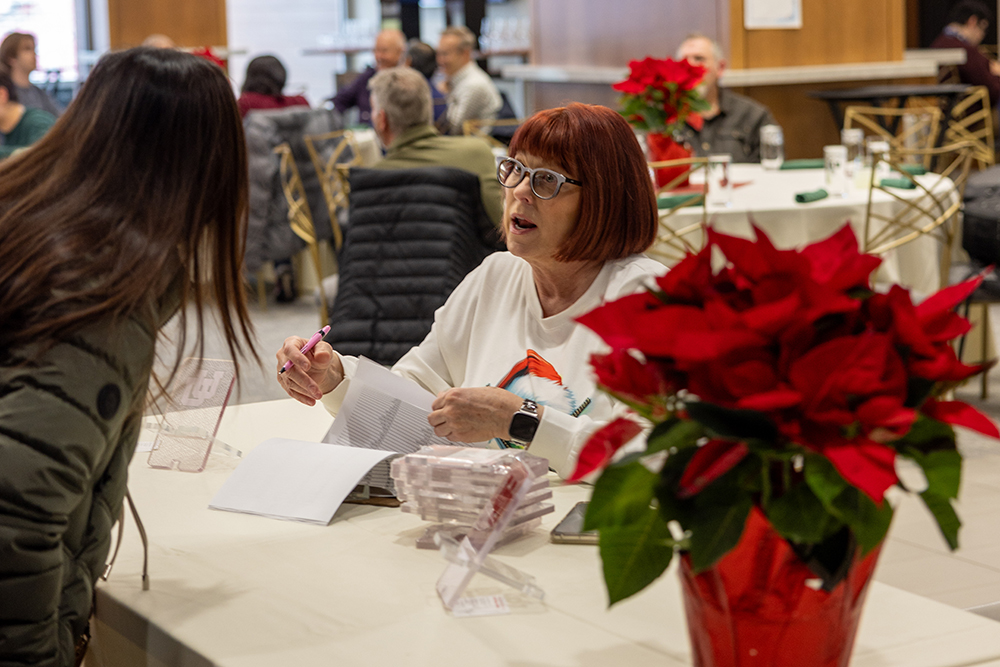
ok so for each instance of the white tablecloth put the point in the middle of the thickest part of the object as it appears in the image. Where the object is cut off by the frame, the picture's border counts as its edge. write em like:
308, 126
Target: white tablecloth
768, 197
245, 591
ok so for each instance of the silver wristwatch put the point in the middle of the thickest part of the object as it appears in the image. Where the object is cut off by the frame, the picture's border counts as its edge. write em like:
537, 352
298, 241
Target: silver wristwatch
524, 423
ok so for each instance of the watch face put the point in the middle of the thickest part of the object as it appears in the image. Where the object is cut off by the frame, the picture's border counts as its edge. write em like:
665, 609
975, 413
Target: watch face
523, 427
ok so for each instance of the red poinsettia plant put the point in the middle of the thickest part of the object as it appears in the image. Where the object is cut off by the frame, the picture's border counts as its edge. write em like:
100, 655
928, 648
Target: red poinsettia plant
778, 381
661, 95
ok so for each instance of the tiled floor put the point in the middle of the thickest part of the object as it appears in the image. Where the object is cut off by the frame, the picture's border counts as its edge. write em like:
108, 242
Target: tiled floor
915, 558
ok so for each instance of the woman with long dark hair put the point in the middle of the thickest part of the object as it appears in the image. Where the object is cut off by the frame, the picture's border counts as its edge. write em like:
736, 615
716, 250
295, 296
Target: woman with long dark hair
130, 209
264, 85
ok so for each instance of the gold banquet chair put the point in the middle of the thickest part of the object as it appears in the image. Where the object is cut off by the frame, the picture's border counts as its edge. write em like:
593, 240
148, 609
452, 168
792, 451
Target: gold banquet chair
933, 211
972, 120
916, 127
673, 241
483, 128
329, 152
300, 218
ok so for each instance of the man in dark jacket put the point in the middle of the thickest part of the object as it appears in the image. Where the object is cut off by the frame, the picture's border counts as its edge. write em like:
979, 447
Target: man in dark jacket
968, 22
401, 116
389, 47
733, 121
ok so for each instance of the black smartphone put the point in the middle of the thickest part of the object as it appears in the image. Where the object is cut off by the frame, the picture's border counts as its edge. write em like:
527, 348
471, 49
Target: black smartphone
570, 529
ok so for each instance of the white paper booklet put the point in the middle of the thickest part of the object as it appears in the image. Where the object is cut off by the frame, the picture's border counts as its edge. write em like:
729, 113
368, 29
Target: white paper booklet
292, 479
385, 412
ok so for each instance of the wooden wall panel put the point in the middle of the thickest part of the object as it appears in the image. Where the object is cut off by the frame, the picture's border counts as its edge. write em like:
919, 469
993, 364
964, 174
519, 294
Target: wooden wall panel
603, 33
190, 23
846, 31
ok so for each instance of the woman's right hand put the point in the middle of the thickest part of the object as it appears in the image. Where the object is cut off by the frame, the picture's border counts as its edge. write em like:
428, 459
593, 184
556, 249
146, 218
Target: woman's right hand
313, 374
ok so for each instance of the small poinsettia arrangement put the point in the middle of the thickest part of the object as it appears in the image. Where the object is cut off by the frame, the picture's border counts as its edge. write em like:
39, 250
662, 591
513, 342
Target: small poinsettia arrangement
662, 95
778, 381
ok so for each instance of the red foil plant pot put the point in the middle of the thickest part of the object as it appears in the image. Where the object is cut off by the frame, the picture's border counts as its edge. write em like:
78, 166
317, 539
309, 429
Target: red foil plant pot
663, 147
769, 398
761, 606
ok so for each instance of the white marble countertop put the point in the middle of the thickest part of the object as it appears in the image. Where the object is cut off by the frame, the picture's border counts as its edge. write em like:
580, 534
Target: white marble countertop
916, 63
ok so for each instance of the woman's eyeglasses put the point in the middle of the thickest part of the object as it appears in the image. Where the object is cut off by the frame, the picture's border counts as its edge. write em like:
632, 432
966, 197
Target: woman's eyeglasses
545, 183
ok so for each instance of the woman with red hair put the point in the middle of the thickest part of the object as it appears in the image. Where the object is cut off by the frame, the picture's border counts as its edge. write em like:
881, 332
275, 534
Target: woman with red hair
505, 356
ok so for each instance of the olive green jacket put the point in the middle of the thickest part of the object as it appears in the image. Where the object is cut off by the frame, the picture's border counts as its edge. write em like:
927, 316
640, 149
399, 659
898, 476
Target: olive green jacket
69, 422
422, 146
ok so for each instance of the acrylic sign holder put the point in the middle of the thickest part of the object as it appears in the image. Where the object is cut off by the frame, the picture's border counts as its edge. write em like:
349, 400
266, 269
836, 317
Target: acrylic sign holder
186, 434
471, 555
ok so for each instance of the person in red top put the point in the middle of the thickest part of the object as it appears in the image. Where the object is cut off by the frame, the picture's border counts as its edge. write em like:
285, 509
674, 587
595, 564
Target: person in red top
262, 87
967, 25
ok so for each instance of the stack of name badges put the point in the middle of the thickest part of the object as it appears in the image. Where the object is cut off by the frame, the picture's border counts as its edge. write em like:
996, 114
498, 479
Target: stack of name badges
451, 485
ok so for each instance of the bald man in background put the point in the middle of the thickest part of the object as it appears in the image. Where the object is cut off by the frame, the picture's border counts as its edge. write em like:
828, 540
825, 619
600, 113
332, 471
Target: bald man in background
389, 48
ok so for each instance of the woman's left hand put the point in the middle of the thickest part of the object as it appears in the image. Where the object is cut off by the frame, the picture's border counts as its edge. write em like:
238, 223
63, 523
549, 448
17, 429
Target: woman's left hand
473, 414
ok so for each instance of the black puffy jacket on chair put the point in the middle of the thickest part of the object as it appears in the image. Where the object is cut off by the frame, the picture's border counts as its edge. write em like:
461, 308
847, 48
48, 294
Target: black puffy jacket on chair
413, 235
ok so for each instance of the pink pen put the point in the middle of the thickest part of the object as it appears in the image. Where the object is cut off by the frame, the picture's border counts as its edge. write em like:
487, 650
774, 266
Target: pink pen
310, 344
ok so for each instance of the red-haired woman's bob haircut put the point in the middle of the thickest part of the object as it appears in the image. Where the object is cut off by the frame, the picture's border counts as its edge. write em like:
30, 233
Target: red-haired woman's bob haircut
595, 145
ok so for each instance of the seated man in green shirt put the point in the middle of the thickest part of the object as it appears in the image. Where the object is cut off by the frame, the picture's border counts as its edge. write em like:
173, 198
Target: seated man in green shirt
19, 126
402, 115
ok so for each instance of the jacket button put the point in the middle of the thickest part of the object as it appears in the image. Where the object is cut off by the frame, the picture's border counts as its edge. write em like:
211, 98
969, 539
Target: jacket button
108, 400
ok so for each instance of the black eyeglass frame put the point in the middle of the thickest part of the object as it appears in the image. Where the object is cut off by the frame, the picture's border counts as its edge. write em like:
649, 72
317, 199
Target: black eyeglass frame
525, 171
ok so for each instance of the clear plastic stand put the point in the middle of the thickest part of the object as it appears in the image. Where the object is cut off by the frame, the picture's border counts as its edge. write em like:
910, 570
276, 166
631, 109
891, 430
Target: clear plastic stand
185, 436
471, 555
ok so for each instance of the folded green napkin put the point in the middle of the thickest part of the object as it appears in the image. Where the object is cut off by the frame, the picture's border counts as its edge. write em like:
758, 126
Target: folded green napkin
814, 163
913, 169
670, 201
902, 183
815, 195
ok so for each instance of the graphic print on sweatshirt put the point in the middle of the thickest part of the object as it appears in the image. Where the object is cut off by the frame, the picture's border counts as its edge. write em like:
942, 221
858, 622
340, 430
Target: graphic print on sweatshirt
536, 379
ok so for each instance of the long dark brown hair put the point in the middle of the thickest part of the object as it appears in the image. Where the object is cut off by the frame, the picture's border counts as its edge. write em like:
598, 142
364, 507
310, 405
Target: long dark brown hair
138, 190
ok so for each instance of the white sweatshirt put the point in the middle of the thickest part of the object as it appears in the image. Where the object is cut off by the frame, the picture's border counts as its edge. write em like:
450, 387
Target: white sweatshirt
491, 332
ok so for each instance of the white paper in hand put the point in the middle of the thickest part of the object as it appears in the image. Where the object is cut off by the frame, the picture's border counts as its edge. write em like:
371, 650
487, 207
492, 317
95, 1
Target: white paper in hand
292, 479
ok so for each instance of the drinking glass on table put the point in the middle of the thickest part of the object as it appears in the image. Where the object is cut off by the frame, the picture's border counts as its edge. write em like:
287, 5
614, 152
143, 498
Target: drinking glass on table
718, 184
772, 147
853, 138
879, 148
835, 169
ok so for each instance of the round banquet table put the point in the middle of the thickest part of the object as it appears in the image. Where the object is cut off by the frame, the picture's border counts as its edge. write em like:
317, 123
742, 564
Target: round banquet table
767, 198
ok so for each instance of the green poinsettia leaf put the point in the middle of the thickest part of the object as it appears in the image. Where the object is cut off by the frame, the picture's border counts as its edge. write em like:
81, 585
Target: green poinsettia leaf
823, 478
944, 514
731, 423
674, 434
798, 515
622, 495
943, 470
927, 435
716, 522
869, 522
634, 555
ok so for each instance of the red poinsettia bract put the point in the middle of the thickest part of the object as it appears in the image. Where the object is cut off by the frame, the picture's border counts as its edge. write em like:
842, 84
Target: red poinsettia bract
797, 336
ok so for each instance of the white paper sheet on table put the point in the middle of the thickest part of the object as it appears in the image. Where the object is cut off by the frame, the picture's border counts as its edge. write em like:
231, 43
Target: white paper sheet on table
383, 411
297, 480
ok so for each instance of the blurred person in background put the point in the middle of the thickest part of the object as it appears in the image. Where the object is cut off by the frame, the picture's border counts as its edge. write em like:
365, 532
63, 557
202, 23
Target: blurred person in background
968, 22
423, 58
20, 126
401, 116
263, 85
472, 95
130, 210
733, 122
17, 53
158, 41
389, 48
